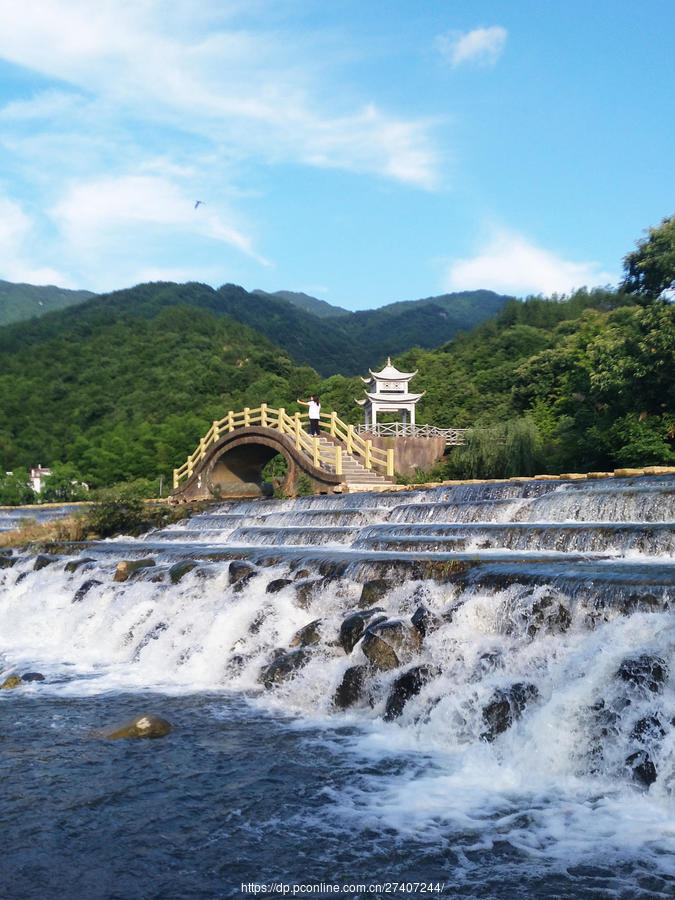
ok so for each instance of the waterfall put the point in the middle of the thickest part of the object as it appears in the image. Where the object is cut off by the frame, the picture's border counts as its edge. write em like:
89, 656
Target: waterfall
523, 630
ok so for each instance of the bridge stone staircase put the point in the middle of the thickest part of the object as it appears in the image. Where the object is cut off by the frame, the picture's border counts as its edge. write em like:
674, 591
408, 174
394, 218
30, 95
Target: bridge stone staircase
355, 476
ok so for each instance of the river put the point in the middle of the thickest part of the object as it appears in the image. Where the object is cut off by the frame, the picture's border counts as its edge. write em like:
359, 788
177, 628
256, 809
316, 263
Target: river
465, 691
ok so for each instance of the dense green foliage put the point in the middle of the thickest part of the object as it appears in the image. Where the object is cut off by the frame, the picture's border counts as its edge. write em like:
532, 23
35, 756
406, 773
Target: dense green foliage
314, 333
650, 269
120, 388
309, 304
123, 387
595, 376
23, 301
350, 343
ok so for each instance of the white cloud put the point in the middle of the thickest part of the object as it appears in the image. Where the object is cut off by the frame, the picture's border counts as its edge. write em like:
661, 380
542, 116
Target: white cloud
510, 264
482, 46
96, 211
225, 85
16, 236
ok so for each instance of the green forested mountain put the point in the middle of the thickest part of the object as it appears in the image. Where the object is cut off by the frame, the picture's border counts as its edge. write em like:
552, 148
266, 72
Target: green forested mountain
351, 342
122, 386
23, 301
309, 304
313, 332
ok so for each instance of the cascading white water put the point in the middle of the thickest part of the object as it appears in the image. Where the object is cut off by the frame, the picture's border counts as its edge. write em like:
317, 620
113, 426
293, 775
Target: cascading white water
534, 674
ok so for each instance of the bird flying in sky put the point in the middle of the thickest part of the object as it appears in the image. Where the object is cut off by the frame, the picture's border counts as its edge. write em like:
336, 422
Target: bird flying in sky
198, 203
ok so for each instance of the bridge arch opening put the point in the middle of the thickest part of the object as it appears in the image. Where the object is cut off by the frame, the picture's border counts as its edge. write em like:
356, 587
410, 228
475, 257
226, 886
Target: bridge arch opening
246, 467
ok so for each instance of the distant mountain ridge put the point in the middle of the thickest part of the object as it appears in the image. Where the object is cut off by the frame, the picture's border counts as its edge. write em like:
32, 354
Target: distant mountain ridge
350, 342
23, 301
330, 339
307, 303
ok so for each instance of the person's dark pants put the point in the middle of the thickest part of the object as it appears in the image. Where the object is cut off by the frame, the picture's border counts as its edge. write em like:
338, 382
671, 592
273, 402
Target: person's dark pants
314, 426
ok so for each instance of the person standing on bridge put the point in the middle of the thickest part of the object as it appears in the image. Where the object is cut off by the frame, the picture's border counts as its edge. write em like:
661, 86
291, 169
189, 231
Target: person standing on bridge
314, 410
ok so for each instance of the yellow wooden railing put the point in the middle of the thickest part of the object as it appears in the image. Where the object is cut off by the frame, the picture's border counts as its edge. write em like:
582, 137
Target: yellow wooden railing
327, 458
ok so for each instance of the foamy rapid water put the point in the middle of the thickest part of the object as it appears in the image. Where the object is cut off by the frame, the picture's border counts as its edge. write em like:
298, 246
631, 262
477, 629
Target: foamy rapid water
534, 755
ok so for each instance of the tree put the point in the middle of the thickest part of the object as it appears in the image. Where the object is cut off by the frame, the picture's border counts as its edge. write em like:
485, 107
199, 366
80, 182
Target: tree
63, 485
15, 488
650, 270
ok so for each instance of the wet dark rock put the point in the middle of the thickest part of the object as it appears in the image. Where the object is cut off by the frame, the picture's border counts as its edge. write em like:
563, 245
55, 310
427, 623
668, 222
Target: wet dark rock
277, 585
648, 729
330, 568
239, 568
425, 621
33, 676
406, 686
642, 767
380, 654
308, 634
74, 564
6, 562
305, 591
129, 567
143, 726
505, 707
373, 592
645, 672
180, 569
402, 638
284, 667
351, 688
354, 625
301, 573
241, 582
43, 560
84, 589
548, 615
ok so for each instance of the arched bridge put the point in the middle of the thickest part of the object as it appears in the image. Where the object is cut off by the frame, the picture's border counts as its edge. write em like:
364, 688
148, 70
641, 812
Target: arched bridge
232, 454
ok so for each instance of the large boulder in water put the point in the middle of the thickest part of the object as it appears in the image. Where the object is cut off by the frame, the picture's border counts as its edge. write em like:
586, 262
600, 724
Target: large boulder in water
146, 725
647, 673
425, 621
284, 667
180, 569
128, 567
373, 592
350, 690
9, 683
43, 560
505, 707
354, 625
308, 634
387, 644
379, 653
641, 767
406, 686
84, 588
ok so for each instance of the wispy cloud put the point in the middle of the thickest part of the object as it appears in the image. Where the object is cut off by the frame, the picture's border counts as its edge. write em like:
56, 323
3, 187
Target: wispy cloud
17, 235
511, 264
481, 47
224, 84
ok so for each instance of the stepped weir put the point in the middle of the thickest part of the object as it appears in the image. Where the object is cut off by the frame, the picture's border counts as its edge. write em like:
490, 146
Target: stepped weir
468, 671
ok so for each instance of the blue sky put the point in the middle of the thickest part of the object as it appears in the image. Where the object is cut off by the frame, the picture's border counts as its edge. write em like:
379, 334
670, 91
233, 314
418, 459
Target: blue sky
362, 151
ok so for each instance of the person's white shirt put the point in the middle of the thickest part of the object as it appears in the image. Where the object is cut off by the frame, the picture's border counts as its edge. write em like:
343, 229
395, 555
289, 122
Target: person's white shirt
314, 410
